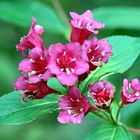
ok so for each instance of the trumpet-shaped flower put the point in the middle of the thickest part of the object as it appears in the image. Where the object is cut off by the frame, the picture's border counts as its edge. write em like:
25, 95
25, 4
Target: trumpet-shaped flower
83, 26
33, 38
130, 91
32, 90
96, 52
73, 106
36, 65
66, 62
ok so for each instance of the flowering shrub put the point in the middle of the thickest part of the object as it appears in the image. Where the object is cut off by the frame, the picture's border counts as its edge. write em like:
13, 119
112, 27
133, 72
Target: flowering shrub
73, 72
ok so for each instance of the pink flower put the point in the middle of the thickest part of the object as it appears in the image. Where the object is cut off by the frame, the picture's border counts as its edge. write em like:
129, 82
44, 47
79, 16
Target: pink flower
83, 26
102, 93
36, 65
73, 106
32, 90
32, 39
130, 91
66, 62
96, 52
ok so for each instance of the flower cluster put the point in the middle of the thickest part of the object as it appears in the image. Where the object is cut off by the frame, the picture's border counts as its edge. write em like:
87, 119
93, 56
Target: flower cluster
70, 63
35, 65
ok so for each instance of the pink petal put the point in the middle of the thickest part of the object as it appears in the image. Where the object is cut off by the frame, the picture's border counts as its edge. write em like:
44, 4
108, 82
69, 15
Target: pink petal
135, 82
67, 79
52, 66
64, 102
64, 117
39, 29
55, 49
81, 67
25, 66
74, 46
20, 84
34, 79
74, 15
46, 75
36, 53
74, 93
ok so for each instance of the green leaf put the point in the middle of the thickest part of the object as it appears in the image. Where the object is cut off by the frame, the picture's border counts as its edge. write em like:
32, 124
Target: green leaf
109, 132
55, 84
12, 111
118, 17
114, 109
125, 51
20, 13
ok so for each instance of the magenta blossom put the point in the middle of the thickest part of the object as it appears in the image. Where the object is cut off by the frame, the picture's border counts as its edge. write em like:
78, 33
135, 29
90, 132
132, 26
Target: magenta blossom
96, 52
32, 39
131, 91
102, 93
36, 65
83, 26
32, 90
73, 106
66, 62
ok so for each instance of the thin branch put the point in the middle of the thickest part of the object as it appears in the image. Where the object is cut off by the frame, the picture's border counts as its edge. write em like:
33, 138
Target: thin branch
60, 11
95, 111
134, 130
120, 107
114, 121
131, 129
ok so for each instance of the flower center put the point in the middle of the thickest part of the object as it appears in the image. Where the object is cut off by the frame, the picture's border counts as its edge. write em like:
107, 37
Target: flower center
132, 92
76, 107
93, 54
84, 23
39, 65
66, 62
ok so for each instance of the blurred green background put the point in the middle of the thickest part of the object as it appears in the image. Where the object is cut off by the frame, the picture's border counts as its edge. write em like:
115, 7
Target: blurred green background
14, 25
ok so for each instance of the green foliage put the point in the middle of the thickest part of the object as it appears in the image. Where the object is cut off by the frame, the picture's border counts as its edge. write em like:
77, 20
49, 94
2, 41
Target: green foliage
55, 84
119, 17
114, 109
131, 110
109, 132
20, 13
12, 111
8, 69
125, 51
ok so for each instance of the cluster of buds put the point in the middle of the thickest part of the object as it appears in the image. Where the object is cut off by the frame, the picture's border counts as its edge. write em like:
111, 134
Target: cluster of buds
70, 63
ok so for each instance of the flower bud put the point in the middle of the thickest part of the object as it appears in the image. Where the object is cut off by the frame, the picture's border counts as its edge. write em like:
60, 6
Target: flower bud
102, 93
